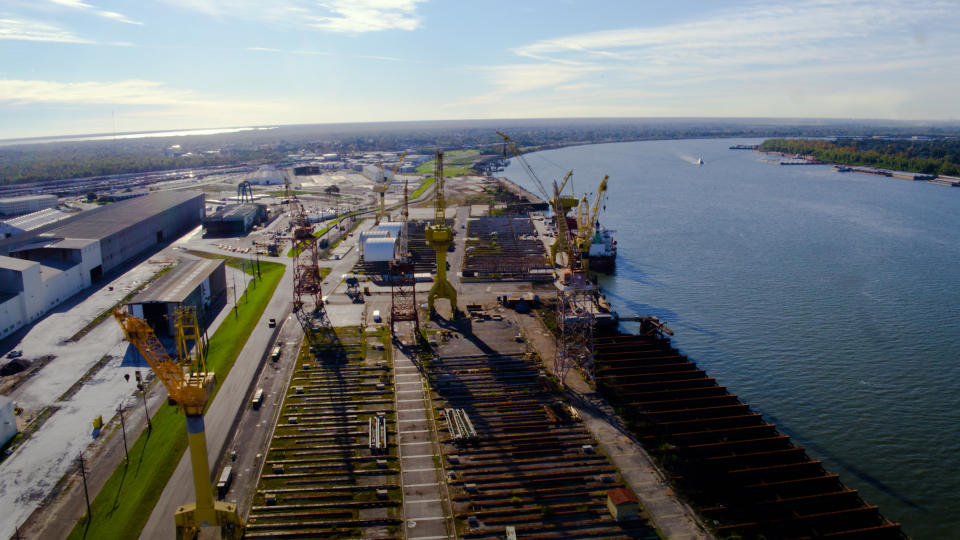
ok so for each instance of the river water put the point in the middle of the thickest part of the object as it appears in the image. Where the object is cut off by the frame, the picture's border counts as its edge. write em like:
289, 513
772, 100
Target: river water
828, 301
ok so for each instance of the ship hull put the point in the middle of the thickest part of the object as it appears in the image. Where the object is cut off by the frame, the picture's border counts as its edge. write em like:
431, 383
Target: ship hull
602, 263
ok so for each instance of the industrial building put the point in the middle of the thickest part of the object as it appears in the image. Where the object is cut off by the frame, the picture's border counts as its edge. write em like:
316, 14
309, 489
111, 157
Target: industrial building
200, 283
266, 176
31, 221
41, 268
235, 219
378, 244
15, 206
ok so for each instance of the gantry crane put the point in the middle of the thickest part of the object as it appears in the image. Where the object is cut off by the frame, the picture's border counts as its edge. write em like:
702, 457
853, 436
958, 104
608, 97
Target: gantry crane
403, 297
440, 236
587, 219
560, 204
189, 385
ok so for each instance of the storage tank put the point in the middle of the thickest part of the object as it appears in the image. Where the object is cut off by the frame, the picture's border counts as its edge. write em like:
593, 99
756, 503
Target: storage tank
364, 236
379, 249
391, 227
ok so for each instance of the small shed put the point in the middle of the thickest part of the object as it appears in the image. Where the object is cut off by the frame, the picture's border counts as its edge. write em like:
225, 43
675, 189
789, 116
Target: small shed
623, 504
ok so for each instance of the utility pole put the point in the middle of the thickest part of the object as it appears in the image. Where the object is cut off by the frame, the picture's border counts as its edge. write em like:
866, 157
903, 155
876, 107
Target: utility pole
143, 392
83, 473
123, 429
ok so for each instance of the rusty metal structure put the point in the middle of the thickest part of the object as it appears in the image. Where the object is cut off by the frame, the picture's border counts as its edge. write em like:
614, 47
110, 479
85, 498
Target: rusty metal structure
306, 266
403, 294
748, 479
576, 301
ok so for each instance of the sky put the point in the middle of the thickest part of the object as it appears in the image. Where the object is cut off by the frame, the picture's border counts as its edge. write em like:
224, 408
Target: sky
104, 66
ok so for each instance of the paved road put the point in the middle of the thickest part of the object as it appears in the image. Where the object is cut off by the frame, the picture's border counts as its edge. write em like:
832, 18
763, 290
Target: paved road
255, 428
219, 420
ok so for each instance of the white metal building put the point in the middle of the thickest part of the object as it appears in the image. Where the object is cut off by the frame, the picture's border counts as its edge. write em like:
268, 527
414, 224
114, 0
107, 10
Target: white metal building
28, 222
15, 206
379, 249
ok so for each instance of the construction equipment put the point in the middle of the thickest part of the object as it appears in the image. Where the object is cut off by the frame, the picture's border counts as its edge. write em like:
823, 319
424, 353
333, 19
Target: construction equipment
189, 385
439, 236
560, 204
587, 218
403, 297
244, 192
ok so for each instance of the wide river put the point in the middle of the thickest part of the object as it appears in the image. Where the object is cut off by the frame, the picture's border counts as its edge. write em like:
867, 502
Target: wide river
830, 302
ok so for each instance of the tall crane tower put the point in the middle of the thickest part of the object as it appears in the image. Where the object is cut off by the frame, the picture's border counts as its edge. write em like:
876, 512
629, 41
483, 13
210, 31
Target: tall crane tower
189, 385
560, 204
403, 296
439, 236
587, 217
575, 293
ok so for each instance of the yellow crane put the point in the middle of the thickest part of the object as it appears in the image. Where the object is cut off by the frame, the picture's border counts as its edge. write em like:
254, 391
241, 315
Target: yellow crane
560, 204
587, 218
189, 384
440, 236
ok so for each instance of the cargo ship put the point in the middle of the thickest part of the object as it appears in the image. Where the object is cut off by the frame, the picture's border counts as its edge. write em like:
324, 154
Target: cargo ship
602, 255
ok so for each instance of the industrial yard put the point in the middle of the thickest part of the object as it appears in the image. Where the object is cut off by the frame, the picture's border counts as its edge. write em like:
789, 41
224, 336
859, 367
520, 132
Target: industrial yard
399, 357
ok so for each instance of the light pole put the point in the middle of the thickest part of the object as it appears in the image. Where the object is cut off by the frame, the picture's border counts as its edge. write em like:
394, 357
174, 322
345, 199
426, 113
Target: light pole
123, 429
143, 392
83, 473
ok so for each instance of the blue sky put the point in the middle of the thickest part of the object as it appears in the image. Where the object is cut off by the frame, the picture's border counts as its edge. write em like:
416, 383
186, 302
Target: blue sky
85, 66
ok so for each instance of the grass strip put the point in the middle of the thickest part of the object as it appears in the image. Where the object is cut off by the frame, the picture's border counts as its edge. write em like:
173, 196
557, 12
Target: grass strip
122, 507
425, 185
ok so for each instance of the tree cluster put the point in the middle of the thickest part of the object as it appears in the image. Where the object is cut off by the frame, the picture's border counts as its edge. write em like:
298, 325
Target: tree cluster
937, 156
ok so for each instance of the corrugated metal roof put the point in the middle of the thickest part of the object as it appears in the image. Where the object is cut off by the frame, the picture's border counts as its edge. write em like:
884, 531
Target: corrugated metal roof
107, 220
177, 284
34, 220
232, 212
13, 263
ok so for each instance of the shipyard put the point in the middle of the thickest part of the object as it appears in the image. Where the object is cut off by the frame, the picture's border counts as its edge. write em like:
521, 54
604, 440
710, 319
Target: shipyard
361, 352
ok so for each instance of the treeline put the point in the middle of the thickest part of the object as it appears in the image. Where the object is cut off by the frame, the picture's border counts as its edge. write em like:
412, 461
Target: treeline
53, 162
940, 156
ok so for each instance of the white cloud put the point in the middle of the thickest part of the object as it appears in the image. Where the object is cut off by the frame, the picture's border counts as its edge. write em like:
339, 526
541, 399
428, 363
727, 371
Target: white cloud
80, 4
813, 53
129, 92
347, 16
22, 30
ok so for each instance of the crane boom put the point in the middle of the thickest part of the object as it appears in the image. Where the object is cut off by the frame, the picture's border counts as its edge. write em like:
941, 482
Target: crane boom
188, 390
588, 222
189, 385
525, 165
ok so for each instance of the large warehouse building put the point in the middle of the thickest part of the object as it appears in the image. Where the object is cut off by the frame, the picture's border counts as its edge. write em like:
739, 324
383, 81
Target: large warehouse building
15, 206
200, 283
45, 266
235, 219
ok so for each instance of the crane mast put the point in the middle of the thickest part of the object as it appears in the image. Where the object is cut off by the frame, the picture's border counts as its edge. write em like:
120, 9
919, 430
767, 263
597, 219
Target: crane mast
440, 236
189, 385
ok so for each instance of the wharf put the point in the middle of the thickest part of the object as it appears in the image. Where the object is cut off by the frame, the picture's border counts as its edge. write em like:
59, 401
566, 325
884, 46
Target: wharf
750, 480
537, 204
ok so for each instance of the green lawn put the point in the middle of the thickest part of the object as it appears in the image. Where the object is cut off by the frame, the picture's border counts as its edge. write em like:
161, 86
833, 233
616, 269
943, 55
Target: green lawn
425, 185
455, 163
293, 252
122, 507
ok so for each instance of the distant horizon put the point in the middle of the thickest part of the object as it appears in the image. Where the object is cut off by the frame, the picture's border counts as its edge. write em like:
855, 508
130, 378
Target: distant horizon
74, 67
201, 131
